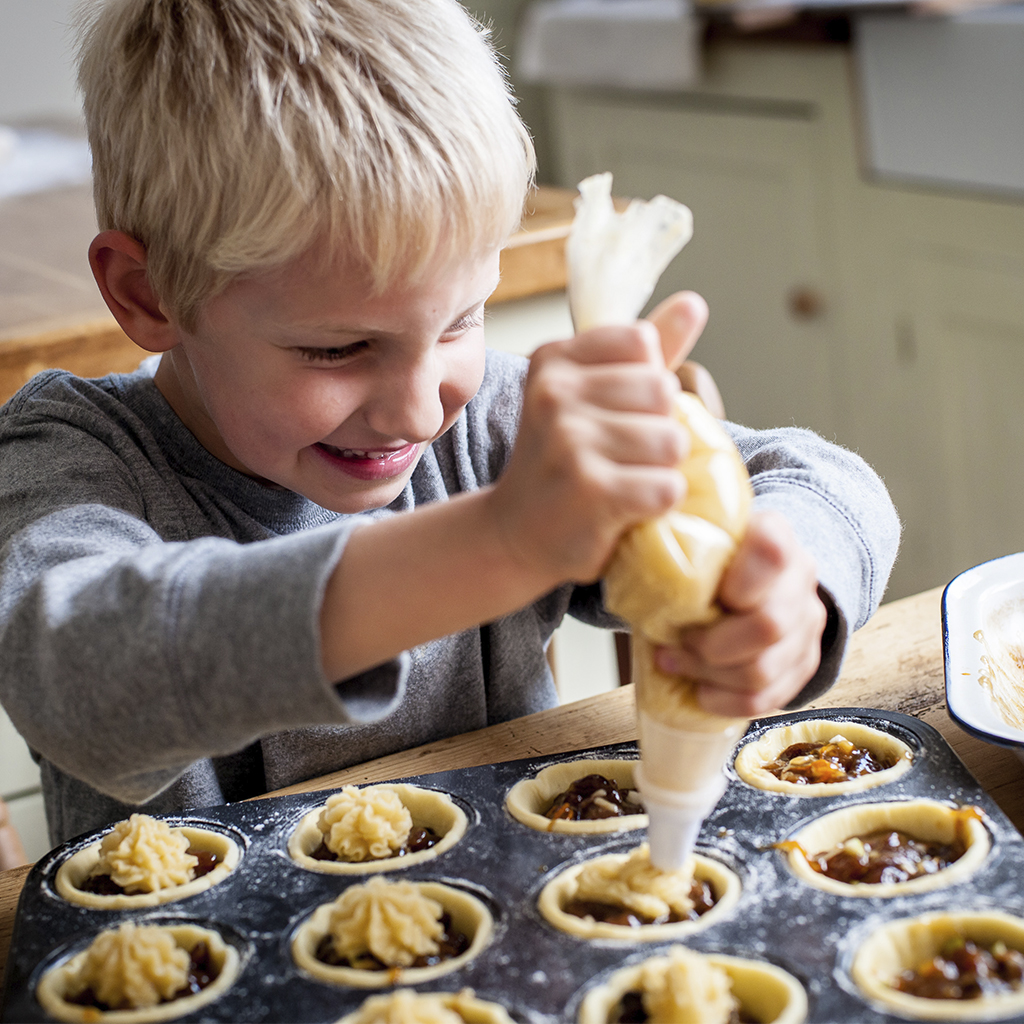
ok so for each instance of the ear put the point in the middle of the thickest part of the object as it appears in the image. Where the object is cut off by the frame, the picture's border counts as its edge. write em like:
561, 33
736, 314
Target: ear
118, 263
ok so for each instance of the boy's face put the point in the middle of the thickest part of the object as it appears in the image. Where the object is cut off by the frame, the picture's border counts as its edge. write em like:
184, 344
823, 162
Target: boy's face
301, 377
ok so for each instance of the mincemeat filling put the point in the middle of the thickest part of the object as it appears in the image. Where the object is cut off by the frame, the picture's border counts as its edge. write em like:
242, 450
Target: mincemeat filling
609, 913
962, 969
630, 1010
887, 856
829, 761
593, 797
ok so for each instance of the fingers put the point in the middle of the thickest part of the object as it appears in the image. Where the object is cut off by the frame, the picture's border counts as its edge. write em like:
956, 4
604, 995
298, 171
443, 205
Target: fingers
680, 319
597, 451
609, 392
764, 682
617, 413
626, 438
761, 653
763, 554
635, 343
631, 387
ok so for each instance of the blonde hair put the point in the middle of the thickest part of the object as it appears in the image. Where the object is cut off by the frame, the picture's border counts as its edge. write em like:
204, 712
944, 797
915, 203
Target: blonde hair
230, 135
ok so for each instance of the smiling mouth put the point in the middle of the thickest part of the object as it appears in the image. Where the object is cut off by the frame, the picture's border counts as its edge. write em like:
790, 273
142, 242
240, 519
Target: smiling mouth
370, 463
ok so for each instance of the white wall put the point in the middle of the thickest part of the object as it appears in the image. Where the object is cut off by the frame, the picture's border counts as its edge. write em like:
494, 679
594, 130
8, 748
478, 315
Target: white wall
36, 46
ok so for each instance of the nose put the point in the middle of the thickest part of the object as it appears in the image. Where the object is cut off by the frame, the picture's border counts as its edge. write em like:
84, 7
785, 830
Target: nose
408, 404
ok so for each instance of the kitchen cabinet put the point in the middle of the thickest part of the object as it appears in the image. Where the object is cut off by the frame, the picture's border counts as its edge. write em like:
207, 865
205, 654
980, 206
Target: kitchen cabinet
886, 316
745, 176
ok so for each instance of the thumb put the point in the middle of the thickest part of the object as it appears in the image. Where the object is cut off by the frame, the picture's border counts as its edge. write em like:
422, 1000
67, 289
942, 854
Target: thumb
757, 563
680, 320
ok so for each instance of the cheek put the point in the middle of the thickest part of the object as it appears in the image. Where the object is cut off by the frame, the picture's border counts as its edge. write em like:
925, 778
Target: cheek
308, 407
465, 374
264, 416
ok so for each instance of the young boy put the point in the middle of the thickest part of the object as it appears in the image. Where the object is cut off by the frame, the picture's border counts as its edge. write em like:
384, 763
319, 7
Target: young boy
324, 526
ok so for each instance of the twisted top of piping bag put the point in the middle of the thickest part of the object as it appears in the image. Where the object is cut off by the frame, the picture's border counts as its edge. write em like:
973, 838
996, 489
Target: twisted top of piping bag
665, 572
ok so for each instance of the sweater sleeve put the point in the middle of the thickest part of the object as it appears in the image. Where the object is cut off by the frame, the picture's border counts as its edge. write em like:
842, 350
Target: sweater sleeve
124, 658
841, 513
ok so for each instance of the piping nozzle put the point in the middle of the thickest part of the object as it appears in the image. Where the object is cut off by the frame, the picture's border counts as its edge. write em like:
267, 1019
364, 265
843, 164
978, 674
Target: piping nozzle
675, 817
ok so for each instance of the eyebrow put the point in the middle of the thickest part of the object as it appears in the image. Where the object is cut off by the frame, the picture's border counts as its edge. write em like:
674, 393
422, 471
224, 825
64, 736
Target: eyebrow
361, 330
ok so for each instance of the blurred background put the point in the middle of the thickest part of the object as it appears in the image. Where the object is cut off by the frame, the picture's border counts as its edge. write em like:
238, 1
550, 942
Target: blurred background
856, 173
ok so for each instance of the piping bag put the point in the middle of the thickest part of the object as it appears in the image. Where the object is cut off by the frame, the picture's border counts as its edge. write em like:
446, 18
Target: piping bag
664, 573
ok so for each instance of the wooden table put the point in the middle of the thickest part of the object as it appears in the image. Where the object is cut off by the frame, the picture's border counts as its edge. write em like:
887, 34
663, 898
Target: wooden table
894, 663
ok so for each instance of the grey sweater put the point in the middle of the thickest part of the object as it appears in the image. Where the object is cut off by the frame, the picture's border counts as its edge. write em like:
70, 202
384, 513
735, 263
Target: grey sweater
159, 643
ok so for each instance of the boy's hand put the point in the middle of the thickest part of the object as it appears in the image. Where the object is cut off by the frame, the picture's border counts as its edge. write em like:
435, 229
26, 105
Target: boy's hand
759, 655
598, 447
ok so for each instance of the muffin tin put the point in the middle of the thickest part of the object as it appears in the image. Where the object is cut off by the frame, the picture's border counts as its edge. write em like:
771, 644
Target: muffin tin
536, 972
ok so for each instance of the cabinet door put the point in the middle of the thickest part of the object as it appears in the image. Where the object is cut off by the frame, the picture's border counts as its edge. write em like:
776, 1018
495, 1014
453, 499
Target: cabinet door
956, 436
753, 175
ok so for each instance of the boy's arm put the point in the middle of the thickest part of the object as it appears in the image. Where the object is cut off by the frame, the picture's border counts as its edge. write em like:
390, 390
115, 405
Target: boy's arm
124, 658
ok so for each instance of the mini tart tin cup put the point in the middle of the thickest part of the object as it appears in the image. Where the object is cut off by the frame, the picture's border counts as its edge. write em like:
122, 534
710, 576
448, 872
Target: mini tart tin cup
469, 915
762, 749
529, 798
537, 972
765, 992
464, 1004
429, 809
928, 820
77, 868
724, 882
53, 984
904, 943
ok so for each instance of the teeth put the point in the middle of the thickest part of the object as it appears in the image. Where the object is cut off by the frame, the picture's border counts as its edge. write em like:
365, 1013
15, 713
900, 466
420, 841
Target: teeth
356, 453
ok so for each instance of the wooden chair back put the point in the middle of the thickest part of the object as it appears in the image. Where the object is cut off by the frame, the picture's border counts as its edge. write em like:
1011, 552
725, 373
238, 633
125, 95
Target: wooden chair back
90, 349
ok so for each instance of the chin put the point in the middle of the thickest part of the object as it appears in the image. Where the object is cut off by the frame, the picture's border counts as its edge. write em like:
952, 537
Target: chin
353, 504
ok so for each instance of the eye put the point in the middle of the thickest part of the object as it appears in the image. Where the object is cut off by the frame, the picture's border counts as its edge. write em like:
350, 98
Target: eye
467, 322
331, 355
